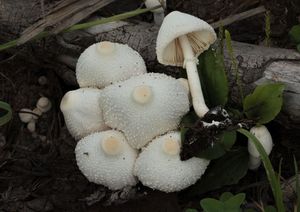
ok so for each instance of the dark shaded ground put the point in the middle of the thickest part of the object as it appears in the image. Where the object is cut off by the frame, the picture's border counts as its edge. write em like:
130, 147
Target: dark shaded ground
38, 171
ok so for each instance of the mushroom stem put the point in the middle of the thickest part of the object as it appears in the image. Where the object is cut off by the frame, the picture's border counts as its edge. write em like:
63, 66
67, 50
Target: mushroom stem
254, 162
190, 64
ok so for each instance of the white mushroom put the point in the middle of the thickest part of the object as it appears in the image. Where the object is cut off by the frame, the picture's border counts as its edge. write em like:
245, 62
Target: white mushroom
265, 138
158, 14
31, 126
82, 112
44, 104
105, 63
37, 113
106, 158
26, 115
181, 39
144, 106
159, 166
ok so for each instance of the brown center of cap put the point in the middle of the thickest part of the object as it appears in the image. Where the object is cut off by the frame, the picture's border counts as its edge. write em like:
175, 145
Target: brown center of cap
142, 94
171, 146
105, 47
111, 145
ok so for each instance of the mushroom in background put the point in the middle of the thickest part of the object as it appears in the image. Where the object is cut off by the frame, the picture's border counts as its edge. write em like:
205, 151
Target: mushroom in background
106, 158
82, 112
181, 39
159, 166
44, 104
105, 63
26, 115
144, 106
265, 138
159, 13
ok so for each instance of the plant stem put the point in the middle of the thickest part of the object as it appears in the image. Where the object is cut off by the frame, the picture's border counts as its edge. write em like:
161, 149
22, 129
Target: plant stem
273, 180
234, 63
75, 27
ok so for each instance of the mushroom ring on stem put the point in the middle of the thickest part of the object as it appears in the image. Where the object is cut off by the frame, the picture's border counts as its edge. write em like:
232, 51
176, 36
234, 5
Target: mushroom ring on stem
159, 166
181, 39
144, 106
106, 158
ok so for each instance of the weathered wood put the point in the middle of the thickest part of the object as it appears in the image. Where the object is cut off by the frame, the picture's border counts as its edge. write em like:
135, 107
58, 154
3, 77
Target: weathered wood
256, 63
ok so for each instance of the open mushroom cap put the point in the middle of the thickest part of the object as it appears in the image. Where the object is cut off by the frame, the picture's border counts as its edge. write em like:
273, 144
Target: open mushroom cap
199, 33
106, 158
265, 138
105, 63
82, 112
144, 106
159, 166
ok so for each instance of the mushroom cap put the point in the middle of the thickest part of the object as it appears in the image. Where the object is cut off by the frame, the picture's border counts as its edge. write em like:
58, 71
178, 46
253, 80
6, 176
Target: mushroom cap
200, 34
44, 104
105, 63
159, 166
82, 112
265, 138
113, 169
154, 3
25, 115
144, 106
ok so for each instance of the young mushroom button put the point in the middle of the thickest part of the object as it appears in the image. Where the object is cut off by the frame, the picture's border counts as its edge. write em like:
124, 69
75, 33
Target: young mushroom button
159, 166
144, 106
82, 112
265, 138
158, 14
105, 63
181, 39
106, 158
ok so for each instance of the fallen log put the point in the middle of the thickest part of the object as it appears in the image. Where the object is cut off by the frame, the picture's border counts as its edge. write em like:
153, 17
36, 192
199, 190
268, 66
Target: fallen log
256, 64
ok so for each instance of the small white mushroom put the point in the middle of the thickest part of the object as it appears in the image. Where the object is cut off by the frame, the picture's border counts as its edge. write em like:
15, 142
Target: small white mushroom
158, 14
144, 106
106, 158
181, 39
25, 115
159, 166
105, 63
265, 138
82, 112
31, 126
38, 113
44, 104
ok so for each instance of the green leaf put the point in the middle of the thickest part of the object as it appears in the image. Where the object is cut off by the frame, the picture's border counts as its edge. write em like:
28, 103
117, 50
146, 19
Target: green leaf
228, 139
226, 170
236, 201
226, 196
273, 180
264, 103
7, 115
270, 208
213, 78
211, 205
294, 34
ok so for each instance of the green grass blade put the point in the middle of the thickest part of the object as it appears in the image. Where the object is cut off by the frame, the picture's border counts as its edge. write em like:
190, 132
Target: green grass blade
273, 180
86, 25
7, 117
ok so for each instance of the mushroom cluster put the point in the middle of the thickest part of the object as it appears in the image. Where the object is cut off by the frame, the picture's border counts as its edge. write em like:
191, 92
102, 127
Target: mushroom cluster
30, 117
126, 119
